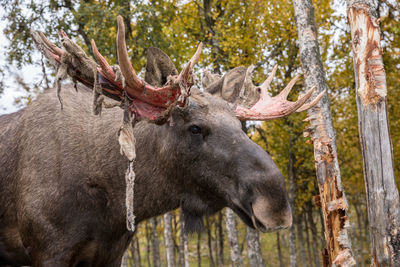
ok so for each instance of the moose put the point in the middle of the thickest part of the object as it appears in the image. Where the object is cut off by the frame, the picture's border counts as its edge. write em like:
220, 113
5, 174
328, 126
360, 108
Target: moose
62, 176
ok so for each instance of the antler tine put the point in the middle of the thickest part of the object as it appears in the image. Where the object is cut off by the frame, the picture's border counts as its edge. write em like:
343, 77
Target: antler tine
285, 92
300, 102
126, 68
268, 108
105, 67
312, 103
58, 51
266, 84
186, 70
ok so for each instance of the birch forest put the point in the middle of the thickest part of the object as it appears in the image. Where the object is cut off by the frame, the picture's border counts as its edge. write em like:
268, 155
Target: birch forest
331, 177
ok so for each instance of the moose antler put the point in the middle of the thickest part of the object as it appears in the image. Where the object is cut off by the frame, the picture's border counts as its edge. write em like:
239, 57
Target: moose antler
269, 108
146, 101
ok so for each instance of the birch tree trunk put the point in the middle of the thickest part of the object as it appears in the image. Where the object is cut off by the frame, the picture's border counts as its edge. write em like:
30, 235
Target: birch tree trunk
199, 249
382, 194
183, 244
254, 248
220, 240
155, 243
136, 252
292, 193
314, 242
209, 242
124, 262
300, 236
169, 241
236, 257
148, 242
333, 200
278, 246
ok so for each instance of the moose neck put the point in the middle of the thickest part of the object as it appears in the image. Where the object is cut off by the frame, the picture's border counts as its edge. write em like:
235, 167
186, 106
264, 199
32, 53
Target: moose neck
157, 189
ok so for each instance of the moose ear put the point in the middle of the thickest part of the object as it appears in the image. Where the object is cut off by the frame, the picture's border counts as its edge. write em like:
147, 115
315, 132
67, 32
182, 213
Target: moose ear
229, 85
158, 67
235, 87
209, 78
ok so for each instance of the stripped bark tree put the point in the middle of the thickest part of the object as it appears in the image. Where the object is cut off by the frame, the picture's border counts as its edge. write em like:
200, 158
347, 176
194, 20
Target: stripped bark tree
333, 200
169, 241
236, 257
382, 194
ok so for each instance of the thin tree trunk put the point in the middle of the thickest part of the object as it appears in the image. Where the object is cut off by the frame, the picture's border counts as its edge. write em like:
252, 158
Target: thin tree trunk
254, 248
148, 243
292, 193
382, 194
169, 241
308, 239
314, 243
220, 239
360, 237
278, 245
355, 243
155, 243
124, 262
236, 257
137, 256
300, 236
186, 250
183, 246
333, 200
199, 249
209, 242
181, 259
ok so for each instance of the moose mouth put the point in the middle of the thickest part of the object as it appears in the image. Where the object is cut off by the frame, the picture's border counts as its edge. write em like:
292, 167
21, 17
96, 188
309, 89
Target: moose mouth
249, 218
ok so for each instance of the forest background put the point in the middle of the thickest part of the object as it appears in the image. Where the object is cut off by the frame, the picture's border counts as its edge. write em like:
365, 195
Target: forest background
235, 33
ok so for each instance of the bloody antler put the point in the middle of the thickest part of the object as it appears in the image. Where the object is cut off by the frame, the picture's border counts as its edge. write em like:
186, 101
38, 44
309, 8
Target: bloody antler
146, 101
268, 108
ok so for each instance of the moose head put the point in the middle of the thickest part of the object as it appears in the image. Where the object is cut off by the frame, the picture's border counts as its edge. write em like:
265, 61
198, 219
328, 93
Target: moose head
198, 144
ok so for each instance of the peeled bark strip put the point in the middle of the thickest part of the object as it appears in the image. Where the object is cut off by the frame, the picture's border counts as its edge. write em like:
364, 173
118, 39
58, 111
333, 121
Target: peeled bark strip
169, 241
382, 194
236, 257
333, 201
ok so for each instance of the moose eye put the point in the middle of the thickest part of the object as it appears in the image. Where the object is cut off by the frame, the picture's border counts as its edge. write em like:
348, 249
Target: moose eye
194, 129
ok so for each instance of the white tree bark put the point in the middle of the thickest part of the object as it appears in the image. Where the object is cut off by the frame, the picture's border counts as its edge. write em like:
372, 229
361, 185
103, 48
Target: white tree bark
169, 241
382, 194
333, 201
254, 248
183, 244
155, 243
124, 262
236, 257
